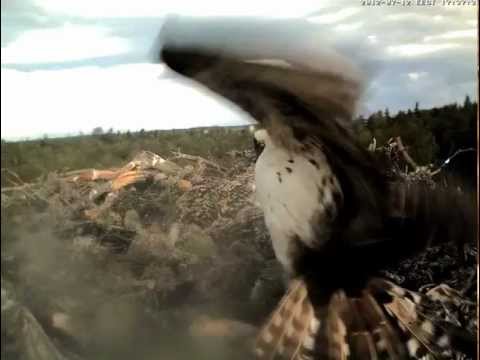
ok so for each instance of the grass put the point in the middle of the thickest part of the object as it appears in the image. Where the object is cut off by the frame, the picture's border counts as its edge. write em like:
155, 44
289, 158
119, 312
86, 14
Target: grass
32, 159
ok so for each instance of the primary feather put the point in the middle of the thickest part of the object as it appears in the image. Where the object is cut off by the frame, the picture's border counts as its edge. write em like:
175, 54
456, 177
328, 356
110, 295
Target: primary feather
334, 216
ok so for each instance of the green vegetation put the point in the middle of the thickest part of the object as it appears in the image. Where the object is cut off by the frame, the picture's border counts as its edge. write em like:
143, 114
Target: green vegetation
32, 159
431, 136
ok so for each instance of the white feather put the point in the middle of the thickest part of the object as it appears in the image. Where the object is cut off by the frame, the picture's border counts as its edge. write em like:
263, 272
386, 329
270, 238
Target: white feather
290, 199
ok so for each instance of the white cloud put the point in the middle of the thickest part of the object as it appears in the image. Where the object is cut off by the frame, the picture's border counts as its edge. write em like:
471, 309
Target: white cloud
349, 27
416, 75
137, 8
69, 42
411, 50
458, 34
372, 39
334, 17
122, 97
404, 16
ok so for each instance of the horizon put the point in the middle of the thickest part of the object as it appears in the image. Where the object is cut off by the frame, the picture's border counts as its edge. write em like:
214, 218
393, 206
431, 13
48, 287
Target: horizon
105, 131
114, 131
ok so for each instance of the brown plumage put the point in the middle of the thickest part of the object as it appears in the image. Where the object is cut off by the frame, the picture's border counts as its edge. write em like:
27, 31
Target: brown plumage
382, 321
335, 217
289, 327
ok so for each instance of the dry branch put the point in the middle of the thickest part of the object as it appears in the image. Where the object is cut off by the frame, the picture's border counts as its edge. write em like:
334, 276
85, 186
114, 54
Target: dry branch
199, 159
16, 188
397, 143
405, 154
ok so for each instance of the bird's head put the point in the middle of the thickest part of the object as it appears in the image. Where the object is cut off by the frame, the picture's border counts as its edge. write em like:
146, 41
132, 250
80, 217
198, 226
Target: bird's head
260, 138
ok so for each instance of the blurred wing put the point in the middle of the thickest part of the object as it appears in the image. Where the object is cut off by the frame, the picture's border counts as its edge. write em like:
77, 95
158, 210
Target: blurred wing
288, 78
231, 55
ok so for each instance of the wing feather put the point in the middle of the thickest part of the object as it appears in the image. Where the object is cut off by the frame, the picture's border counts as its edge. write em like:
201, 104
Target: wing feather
383, 321
305, 97
288, 326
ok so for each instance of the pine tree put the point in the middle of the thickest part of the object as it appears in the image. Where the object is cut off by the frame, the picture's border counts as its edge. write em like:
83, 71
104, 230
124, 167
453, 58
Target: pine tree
467, 104
387, 113
416, 110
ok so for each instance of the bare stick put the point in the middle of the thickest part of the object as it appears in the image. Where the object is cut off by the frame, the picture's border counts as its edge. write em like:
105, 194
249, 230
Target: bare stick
179, 155
405, 154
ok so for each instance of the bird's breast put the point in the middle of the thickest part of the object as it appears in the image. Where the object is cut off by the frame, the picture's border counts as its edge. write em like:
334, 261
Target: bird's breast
297, 194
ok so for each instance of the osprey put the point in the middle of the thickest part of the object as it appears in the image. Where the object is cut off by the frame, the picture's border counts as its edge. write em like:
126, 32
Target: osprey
333, 215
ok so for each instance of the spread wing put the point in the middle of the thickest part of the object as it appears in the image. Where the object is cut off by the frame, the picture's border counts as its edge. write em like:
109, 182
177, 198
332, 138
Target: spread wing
287, 77
332, 215
241, 59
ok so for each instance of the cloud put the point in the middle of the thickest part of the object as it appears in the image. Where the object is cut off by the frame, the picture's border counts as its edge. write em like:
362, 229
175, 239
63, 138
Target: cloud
416, 75
419, 49
147, 8
133, 96
425, 54
19, 16
334, 17
68, 42
458, 34
372, 39
349, 27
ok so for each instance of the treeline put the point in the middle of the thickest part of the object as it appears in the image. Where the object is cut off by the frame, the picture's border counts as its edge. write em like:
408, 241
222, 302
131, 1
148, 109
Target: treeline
431, 136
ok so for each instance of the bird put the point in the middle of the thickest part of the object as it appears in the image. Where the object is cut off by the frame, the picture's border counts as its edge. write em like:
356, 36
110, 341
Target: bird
336, 218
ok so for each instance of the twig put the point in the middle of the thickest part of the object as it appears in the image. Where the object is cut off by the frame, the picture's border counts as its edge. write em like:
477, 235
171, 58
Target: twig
18, 181
179, 155
16, 188
405, 154
447, 160
15, 175
83, 171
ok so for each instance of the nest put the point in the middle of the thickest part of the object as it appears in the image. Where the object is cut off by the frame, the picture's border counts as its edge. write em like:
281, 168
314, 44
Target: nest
157, 257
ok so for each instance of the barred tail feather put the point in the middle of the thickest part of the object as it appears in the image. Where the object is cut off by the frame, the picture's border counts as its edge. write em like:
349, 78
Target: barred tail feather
382, 321
290, 326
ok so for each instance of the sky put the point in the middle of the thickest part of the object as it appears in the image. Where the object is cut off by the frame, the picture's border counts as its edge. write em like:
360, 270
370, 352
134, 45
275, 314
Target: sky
68, 66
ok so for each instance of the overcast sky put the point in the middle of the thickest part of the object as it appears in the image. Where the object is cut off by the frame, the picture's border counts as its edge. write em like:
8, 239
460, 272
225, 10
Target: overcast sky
72, 65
